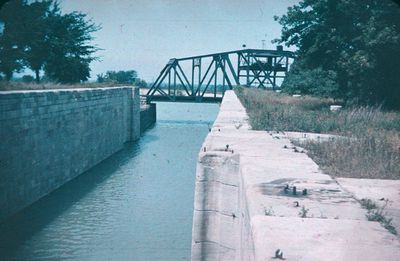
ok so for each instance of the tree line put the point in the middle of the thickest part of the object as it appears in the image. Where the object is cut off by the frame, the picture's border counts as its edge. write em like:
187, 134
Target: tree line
347, 49
38, 36
121, 77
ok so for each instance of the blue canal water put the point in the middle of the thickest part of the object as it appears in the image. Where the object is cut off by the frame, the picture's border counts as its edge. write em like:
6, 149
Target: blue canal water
136, 205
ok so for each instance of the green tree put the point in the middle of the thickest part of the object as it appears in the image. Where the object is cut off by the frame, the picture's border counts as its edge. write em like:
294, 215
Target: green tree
140, 83
10, 57
35, 35
315, 81
70, 52
27, 79
101, 78
356, 40
11, 51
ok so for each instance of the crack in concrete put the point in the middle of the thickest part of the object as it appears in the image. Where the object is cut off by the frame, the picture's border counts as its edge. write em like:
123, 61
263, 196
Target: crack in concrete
213, 242
217, 211
217, 181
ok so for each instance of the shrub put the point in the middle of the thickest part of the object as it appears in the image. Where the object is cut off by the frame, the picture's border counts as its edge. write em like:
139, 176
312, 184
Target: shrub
28, 78
123, 77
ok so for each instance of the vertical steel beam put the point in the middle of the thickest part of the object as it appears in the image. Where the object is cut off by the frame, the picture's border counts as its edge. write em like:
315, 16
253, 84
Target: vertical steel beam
238, 68
193, 67
274, 74
287, 64
223, 78
174, 96
169, 83
248, 70
199, 73
215, 75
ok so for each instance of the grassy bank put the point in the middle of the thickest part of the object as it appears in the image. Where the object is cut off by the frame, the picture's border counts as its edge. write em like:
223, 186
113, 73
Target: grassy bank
372, 149
15, 86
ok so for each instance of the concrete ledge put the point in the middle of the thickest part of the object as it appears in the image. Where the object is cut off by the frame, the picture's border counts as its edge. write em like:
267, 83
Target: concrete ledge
243, 212
322, 239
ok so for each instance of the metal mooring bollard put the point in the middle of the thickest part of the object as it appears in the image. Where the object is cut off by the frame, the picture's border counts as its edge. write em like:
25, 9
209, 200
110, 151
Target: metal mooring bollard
286, 189
278, 254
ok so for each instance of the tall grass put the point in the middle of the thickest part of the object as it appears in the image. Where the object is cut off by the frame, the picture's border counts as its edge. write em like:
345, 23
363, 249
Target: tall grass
372, 149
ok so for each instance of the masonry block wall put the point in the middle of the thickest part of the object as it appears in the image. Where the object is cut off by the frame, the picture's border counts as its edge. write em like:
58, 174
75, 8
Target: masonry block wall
148, 116
49, 137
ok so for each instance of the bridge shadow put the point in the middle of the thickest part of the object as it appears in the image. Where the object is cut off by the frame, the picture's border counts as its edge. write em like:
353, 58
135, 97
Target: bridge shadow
20, 227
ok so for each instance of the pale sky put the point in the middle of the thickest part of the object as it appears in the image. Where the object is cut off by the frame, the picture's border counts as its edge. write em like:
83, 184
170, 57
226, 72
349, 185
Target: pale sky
143, 35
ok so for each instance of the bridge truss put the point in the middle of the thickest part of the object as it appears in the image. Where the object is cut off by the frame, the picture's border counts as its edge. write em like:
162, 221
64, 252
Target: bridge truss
205, 78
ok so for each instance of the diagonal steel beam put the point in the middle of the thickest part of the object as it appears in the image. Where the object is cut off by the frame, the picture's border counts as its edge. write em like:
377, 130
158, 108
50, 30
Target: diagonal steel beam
180, 79
235, 76
184, 76
158, 81
225, 75
198, 90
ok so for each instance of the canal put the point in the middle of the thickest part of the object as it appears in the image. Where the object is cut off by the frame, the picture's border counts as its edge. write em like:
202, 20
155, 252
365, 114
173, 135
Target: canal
136, 205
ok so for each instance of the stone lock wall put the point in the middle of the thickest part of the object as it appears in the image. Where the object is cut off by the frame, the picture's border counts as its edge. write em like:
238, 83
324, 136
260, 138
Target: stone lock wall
147, 116
50, 137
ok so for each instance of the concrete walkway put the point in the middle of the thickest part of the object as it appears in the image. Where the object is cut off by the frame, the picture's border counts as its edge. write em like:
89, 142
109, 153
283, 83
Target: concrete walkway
243, 211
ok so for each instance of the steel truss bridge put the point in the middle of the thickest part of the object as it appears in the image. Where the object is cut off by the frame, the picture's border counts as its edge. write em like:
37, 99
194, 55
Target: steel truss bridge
205, 78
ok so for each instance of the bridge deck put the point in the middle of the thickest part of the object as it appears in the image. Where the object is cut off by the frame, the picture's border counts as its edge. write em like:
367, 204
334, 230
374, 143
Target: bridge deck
205, 99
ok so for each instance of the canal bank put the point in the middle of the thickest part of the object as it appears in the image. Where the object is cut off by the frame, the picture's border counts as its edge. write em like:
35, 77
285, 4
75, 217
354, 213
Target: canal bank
50, 137
135, 205
259, 198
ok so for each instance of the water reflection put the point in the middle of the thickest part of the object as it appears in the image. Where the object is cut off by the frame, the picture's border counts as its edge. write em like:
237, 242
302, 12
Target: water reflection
22, 226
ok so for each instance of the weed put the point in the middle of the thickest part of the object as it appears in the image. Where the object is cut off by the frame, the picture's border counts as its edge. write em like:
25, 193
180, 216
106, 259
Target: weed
269, 211
303, 212
368, 204
322, 216
375, 213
